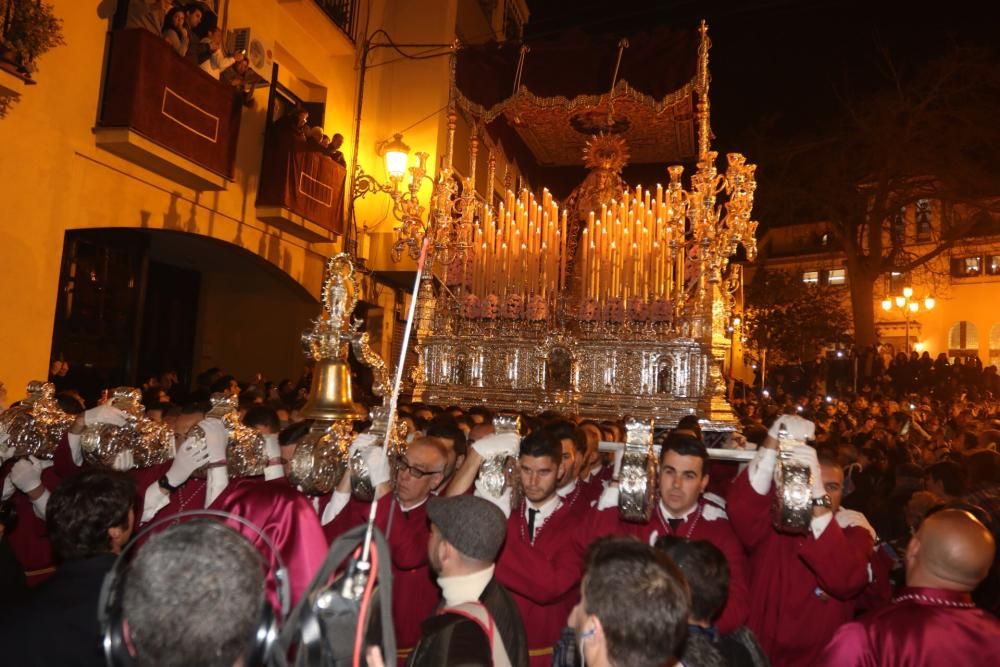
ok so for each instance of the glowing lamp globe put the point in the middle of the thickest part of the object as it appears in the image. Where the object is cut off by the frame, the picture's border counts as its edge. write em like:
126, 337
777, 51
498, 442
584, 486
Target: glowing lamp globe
397, 155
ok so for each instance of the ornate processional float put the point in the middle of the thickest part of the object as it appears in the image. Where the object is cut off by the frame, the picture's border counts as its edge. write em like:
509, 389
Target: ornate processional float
614, 305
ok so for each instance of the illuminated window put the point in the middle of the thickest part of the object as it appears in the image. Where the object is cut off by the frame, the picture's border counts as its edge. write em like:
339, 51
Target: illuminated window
993, 265
810, 277
965, 267
837, 277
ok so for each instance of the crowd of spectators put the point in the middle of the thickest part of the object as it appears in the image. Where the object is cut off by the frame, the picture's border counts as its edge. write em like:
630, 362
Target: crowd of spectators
313, 138
184, 28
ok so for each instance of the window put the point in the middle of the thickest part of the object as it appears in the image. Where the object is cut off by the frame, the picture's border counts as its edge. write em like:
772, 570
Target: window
966, 267
963, 340
923, 219
810, 277
993, 265
837, 277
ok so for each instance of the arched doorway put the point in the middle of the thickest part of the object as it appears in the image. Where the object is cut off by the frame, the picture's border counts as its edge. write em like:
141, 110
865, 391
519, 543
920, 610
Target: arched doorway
135, 303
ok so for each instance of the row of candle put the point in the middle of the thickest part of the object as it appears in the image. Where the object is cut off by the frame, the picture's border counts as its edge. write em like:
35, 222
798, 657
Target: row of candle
520, 248
633, 248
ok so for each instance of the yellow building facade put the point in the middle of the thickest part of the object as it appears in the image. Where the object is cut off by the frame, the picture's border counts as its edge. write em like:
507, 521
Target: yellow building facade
258, 278
962, 283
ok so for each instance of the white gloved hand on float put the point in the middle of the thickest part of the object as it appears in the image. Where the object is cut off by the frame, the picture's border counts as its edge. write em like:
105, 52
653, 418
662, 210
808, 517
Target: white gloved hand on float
498, 444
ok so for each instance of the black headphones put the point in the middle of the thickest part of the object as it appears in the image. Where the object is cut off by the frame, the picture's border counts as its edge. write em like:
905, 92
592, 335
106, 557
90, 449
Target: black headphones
110, 613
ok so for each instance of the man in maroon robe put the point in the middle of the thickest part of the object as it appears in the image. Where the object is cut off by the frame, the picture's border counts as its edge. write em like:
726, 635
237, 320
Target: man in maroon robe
542, 560
932, 621
804, 586
683, 511
402, 518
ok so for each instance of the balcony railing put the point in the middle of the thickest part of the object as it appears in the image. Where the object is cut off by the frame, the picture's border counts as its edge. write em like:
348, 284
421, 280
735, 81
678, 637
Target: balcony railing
341, 12
298, 178
153, 92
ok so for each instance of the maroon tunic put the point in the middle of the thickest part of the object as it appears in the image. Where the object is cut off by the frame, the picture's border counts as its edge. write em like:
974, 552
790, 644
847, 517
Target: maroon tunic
190, 496
707, 522
923, 627
287, 517
803, 588
415, 596
544, 577
29, 541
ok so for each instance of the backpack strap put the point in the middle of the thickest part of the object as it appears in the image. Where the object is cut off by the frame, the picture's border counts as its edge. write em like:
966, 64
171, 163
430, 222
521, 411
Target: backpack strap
477, 612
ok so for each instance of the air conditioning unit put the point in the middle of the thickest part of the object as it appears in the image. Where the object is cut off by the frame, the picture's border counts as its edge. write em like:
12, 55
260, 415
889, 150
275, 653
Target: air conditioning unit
240, 39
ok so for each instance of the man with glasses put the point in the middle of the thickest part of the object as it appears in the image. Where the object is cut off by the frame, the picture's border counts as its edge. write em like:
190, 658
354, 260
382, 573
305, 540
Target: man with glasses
402, 518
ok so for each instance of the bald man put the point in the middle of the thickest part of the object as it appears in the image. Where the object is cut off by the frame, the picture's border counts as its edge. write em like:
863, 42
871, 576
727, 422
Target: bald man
933, 621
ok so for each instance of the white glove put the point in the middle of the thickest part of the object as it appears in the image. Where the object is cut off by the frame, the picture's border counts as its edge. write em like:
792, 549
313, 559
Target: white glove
272, 450
806, 455
123, 461
497, 444
378, 464
609, 497
796, 427
217, 438
104, 414
189, 457
619, 455
362, 440
75, 448
26, 475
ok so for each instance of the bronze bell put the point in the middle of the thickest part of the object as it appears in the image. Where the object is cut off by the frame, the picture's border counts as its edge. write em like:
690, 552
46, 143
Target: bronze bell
330, 397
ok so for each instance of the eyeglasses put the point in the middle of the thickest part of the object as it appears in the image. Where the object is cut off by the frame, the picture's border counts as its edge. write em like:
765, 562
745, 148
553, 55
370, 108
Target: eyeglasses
415, 472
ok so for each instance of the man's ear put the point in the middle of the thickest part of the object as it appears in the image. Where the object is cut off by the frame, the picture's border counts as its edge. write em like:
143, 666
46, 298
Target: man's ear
704, 483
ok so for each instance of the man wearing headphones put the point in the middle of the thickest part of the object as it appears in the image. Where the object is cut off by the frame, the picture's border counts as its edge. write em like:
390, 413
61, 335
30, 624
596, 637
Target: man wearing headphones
193, 595
633, 607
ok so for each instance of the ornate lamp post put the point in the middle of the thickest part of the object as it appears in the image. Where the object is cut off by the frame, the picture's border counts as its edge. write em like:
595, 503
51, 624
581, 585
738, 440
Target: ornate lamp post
909, 306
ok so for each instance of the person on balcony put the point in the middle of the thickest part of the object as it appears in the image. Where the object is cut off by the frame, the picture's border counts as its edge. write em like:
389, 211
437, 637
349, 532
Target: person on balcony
212, 58
148, 14
175, 32
333, 150
193, 14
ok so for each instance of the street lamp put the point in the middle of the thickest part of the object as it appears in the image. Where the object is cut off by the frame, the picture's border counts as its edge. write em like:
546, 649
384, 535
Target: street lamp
908, 305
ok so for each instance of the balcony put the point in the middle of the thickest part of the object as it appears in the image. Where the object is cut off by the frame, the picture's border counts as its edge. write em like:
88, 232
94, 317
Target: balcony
301, 189
342, 13
167, 115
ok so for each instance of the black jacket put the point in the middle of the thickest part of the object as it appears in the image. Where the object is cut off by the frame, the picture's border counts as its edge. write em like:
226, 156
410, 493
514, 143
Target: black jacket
57, 623
451, 639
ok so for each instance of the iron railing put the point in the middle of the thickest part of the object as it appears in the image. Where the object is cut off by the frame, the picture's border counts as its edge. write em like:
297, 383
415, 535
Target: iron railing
341, 12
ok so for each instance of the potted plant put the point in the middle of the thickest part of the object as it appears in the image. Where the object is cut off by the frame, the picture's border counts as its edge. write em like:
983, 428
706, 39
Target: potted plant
30, 28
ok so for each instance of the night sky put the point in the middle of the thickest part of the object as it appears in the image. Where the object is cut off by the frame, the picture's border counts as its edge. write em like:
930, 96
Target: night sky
778, 65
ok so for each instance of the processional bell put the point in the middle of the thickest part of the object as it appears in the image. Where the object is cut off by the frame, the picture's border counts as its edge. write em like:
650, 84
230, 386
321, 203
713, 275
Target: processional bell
326, 342
330, 397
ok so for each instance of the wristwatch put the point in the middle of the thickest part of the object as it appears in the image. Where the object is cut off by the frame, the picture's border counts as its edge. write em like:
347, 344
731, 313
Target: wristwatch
166, 485
823, 501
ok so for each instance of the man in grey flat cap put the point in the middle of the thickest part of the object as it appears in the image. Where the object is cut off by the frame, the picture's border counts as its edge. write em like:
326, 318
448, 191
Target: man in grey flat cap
478, 622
